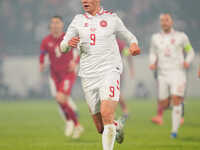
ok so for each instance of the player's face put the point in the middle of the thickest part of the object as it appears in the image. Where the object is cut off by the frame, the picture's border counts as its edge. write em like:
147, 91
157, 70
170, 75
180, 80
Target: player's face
90, 6
166, 22
56, 26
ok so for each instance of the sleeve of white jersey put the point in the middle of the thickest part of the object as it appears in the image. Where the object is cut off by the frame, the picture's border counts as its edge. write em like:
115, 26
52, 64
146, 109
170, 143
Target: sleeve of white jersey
153, 54
72, 31
188, 49
123, 33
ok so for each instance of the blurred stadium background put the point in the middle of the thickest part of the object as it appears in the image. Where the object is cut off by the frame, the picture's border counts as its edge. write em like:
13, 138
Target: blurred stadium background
25, 22
34, 125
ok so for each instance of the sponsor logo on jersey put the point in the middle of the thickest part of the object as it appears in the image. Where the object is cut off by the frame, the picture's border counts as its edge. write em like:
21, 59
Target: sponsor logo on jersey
103, 23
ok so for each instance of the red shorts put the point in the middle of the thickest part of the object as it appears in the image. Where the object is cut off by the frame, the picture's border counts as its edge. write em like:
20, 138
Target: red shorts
62, 83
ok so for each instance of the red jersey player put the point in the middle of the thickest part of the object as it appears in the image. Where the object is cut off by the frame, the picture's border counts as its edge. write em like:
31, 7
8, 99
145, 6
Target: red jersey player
62, 73
124, 52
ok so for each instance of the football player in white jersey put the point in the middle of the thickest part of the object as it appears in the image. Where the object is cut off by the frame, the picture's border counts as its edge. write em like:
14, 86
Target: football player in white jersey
95, 34
167, 56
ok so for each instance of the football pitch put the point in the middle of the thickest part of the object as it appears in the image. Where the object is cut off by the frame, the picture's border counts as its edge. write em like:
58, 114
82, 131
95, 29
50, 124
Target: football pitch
37, 125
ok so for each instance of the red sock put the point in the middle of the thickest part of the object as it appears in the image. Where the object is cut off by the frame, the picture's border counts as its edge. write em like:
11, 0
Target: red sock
160, 110
70, 114
65, 113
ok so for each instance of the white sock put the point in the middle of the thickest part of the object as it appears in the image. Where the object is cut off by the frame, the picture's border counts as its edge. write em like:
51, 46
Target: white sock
108, 137
176, 118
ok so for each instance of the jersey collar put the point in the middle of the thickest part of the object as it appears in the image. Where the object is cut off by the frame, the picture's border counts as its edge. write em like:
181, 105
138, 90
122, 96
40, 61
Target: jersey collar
89, 16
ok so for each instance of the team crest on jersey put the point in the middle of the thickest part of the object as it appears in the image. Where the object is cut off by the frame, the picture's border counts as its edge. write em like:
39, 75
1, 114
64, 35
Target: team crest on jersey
50, 44
173, 41
103, 23
86, 24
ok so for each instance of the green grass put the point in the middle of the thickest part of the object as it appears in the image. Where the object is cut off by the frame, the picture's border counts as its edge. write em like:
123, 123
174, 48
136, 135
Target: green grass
37, 125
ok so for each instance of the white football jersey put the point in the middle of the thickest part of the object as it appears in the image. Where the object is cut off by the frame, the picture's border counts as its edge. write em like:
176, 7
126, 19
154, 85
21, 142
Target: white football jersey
98, 45
167, 50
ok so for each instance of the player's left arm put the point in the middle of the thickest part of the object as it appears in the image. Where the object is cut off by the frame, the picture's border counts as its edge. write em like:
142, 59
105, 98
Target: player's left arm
153, 54
123, 33
189, 51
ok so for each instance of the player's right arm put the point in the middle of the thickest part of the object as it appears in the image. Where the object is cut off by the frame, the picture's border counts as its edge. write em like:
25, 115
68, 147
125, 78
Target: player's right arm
189, 51
153, 55
71, 38
43, 52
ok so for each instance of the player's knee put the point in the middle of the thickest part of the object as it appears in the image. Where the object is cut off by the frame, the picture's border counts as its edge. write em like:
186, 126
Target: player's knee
60, 97
177, 100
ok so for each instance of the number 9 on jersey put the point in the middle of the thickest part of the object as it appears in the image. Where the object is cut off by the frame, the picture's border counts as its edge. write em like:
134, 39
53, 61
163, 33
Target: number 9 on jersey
92, 39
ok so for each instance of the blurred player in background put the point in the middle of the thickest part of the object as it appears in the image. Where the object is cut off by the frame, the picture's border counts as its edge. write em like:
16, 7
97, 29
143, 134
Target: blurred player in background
158, 119
100, 64
125, 53
62, 74
167, 55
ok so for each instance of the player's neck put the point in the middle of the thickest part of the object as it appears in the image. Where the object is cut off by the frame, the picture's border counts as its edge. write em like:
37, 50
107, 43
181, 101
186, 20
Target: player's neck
93, 13
168, 31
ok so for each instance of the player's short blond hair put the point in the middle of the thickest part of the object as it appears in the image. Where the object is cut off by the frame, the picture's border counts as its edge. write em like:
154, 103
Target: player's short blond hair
57, 17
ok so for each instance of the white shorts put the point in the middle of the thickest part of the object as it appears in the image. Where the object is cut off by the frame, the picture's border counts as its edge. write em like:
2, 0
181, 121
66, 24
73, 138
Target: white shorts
173, 83
97, 89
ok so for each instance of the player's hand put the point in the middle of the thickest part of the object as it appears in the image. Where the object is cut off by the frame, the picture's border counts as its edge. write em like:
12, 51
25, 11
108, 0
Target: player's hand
72, 66
152, 67
74, 42
42, 67
134, 49
186, 65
